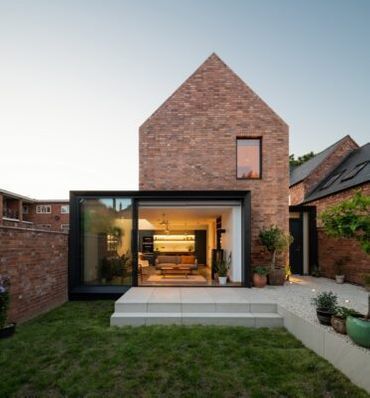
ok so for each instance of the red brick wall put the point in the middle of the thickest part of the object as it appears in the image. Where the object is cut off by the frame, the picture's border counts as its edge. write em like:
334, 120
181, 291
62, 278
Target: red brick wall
330, 249
189, 143
296, 194
37, 263
55, 218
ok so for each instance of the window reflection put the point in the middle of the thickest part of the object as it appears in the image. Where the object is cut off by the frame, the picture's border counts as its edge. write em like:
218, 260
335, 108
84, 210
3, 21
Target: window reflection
248, 158
106, 237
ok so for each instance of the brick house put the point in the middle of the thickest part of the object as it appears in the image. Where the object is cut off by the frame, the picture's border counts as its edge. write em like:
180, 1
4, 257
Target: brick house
21, 211
330, 177
213, 171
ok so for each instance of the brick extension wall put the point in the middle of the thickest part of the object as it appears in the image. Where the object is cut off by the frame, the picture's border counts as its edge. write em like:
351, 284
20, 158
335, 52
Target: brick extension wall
330, 249
37, 263
189, 143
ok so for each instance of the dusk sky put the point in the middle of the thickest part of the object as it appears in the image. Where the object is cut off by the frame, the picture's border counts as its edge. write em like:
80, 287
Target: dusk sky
77, 78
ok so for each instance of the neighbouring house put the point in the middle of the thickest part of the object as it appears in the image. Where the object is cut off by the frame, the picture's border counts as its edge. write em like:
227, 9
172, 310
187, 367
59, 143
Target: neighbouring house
213, 172
330, 177
21, 211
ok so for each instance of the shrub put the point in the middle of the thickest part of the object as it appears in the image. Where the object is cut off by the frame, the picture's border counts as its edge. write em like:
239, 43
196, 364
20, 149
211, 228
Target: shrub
4, 300
263, 271
326, 300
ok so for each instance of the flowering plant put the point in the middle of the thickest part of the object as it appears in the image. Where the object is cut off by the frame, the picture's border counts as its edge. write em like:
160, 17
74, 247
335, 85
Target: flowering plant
4, 299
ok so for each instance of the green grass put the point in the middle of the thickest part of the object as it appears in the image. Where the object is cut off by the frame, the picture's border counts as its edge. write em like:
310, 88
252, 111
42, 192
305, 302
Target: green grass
72, 351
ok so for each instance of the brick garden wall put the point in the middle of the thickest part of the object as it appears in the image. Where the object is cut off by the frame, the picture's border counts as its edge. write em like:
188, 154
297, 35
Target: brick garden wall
189, 143
37, 263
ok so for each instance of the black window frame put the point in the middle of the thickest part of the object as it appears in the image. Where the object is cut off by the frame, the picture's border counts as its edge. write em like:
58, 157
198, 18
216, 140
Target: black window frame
260, 157
357, 169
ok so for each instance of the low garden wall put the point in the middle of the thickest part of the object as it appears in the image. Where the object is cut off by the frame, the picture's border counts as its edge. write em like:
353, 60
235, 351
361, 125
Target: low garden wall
37, 263
332, 249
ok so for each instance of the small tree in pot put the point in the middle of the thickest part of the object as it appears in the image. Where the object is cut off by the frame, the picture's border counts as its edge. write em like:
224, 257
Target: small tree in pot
275, 241
223, 267
326, 305
6, 330
339, 269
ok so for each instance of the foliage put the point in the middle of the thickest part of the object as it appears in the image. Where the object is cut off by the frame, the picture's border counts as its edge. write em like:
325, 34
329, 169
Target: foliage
114, 266
294, 162
275, 241
263, 271
223, 266
343, 312
350, 219
325, 300
73, 352
4, 299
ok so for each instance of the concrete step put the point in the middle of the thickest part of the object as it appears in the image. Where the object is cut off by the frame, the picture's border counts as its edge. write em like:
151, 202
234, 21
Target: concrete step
248, 319
194, 307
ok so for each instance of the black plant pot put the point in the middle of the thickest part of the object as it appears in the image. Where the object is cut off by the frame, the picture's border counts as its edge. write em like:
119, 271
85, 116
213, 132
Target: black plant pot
324, 316
7, 331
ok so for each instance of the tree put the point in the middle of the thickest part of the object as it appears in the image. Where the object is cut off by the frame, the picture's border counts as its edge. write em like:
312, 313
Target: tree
349, 219
301, 159
275, 241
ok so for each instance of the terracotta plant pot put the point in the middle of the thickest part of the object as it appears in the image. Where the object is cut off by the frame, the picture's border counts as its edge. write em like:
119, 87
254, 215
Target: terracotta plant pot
7, 331
339, 324
259, 280
277, 277
324, 316
358, 329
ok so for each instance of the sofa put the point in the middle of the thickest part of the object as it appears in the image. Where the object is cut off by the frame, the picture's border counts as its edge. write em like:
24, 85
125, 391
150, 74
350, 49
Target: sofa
176, 261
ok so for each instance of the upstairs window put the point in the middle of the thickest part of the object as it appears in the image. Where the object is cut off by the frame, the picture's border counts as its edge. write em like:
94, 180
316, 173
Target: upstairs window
248, 158
43, 209
354, 171
64, 209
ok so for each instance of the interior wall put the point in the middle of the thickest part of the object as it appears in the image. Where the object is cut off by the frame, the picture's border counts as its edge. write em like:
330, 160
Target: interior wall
231, 241
211, 241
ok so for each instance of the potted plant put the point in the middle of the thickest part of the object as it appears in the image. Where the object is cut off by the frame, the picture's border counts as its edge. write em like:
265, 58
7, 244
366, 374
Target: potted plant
338, 320
315, 271
275, 241
358, 328
367, 282
6, 330
339, 269
223, 267
326, 304
260, 276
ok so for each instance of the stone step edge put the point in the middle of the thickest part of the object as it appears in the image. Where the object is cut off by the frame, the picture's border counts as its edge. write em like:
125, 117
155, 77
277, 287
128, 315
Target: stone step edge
270, 315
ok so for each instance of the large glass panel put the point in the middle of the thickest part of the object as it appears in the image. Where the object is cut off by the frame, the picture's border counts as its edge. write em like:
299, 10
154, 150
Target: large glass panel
248, 158
106, 227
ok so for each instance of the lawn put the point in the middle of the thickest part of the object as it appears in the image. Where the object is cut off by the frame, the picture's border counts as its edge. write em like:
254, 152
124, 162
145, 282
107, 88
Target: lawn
72, 351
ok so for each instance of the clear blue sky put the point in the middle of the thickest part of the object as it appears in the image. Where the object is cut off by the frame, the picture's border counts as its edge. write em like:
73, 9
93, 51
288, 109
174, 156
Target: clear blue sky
77, 78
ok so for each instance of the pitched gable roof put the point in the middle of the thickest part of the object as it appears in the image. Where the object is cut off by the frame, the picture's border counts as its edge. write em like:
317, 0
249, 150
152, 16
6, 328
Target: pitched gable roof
202, 73
299, 173
360, 156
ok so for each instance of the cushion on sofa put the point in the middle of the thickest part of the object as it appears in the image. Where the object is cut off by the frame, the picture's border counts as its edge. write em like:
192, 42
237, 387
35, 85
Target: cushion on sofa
167, 259
187, 260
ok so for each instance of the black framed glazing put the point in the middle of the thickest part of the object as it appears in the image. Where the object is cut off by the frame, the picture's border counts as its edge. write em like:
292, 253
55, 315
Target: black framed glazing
79, 290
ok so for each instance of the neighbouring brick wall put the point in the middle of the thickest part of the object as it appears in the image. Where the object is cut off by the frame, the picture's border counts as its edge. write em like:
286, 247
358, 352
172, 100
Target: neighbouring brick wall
55, 219
296, 194
189, 143
331, 249
37, 263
